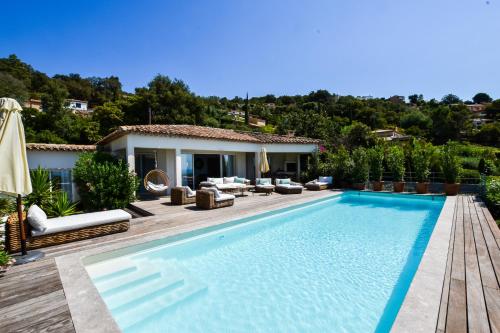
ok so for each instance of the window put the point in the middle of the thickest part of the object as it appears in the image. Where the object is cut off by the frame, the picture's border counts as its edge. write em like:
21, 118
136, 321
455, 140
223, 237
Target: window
78, 105
290, 166
62, 179
227, 165
187, 170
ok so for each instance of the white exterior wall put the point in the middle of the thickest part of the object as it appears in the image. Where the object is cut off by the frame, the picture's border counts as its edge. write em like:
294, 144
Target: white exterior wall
54, 160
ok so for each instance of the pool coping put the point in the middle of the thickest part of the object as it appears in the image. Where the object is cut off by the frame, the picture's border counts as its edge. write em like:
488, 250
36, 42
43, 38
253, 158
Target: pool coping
420, 309
90, 314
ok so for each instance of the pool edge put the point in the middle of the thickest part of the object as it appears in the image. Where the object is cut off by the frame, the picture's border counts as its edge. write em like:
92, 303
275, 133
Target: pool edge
420, 308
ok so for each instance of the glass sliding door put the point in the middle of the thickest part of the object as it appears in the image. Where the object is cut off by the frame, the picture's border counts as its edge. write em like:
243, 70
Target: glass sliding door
187, 170
227, 165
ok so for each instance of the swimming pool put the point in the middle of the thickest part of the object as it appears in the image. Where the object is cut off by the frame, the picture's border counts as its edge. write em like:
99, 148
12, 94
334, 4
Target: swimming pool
341, 264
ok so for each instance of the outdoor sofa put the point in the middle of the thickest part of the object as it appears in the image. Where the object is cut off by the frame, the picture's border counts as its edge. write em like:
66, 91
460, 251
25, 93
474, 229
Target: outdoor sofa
211, 197
43, 232
182, 195
286, 186
226, 184
322, 183
264, 185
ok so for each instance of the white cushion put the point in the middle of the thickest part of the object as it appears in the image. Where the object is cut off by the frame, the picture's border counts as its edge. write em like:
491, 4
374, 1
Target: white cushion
79, 221
229, 180
189, 192
318, 183
215, 180
327, 180
289, 186
224, 197
217, 193
37, 218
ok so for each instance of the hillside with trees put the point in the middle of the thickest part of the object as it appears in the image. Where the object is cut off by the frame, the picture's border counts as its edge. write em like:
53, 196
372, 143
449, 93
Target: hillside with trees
321, 114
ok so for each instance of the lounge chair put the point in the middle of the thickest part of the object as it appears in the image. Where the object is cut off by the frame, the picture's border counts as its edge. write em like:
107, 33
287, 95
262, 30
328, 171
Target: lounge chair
286, 186
264, 185
182, 195
322, 183
210, 198
61, 230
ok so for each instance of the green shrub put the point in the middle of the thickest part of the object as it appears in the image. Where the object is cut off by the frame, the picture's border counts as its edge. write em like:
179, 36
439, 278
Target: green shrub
376, 158
104, 182
421, 155
493, 195
41, 194
341, 164
7, 206
61, 205
450, 163
361, 166
486, 167
470, 162
396, 163
4, 258
468, 176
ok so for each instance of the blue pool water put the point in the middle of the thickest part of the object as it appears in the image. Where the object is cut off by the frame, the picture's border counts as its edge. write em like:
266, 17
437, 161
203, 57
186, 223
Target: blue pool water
338, 265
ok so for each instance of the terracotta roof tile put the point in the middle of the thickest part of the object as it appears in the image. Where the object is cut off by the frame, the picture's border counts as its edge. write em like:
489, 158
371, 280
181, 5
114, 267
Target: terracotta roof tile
209, 133
59, 147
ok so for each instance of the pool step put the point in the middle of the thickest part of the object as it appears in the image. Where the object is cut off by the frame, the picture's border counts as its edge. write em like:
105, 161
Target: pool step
135, 296
115, 284
163, 299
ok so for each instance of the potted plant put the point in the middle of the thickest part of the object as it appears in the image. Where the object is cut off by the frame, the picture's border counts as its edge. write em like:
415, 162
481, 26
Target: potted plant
451, 168
361, 168
341, 164
421, 161
396, 164
376, 159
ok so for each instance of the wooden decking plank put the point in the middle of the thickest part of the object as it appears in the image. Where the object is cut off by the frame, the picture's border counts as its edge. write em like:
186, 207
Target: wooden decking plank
488, 276
456, 320
43, 319
477, 317
491, 244
443, 306
492, 297
491, 222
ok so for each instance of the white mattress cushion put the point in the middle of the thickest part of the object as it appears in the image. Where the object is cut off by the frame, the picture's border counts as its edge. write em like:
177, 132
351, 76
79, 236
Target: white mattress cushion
37, 218
327, 180
289, 186
229, 180
79, 221
215, 180
224, 197
189, 192
318, 183
265, 186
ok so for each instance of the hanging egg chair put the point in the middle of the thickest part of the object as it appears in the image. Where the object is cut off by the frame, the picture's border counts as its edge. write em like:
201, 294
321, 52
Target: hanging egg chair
156, 181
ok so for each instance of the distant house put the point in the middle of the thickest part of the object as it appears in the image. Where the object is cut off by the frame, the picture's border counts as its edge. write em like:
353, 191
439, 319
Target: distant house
397, 99
391, 135
253, 121
77, 106
478, 113
34, 104
365, 98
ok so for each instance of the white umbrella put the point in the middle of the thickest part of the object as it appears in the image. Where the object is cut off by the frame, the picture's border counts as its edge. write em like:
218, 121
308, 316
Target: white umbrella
264, 164
14, 171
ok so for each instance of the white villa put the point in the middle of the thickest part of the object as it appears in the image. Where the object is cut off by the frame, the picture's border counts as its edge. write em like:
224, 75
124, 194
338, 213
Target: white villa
188, 154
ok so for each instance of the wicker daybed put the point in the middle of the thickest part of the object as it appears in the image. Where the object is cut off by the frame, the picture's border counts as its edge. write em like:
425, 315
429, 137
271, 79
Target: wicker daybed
120, 222
322, 183
180, 196
287, 187
205, 198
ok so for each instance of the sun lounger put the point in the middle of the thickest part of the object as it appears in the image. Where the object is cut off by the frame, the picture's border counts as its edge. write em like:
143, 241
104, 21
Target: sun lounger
322, 183
210, 198
182, 195
286, 186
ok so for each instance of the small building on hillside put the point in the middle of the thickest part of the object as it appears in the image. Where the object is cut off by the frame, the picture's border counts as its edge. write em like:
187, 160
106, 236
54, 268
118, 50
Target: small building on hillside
391, 135
33, 104
397, 99
78, 106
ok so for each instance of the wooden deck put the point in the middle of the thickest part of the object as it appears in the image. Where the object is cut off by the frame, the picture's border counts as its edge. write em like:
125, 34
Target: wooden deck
32, 298
470, 301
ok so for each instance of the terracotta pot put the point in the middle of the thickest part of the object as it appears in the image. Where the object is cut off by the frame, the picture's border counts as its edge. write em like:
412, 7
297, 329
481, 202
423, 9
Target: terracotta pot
359, 186
451, 189
378, 186
422, 188
398, 186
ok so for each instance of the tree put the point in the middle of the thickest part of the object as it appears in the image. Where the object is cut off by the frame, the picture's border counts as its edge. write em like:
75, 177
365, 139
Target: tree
416, 123
416, 99
451, 99
357, 135
482, 98
13, 88
493, 110
449, 123
109, 117
488, 135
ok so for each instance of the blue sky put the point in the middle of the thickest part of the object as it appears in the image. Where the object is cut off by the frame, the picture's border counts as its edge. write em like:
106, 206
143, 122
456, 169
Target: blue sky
226, 48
